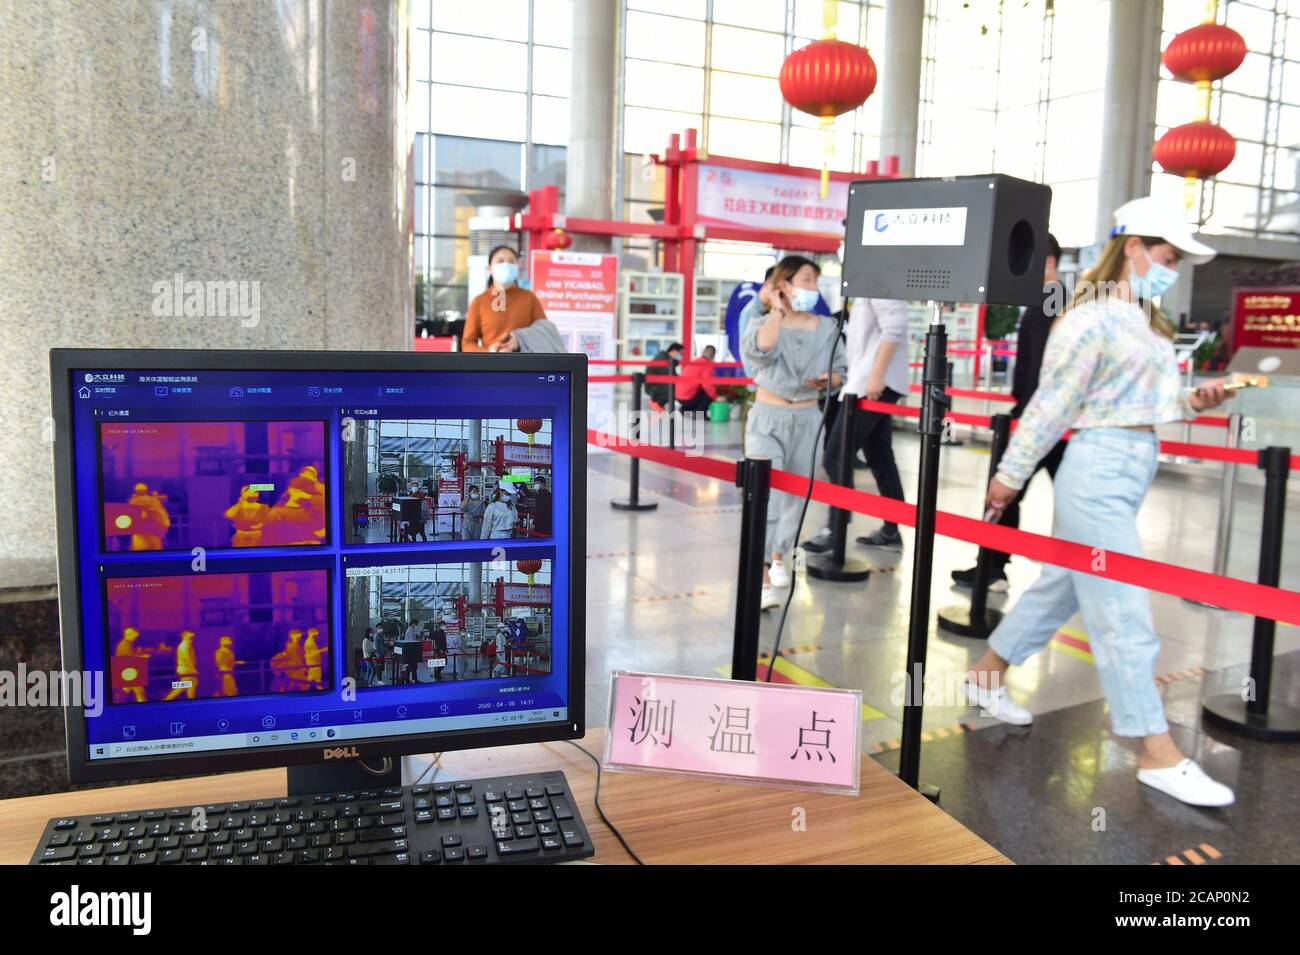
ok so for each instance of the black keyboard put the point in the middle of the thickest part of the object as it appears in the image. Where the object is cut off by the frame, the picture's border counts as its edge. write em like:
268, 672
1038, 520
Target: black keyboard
507, 819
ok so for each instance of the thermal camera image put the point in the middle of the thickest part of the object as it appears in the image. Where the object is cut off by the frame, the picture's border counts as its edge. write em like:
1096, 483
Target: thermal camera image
433, 623
214, 484
212, 635
410, 480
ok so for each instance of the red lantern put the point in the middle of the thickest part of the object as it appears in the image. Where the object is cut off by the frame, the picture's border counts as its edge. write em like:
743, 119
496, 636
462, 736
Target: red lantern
529, 567
557, 240
1195, 150
1204, 53
828, 77
529, 426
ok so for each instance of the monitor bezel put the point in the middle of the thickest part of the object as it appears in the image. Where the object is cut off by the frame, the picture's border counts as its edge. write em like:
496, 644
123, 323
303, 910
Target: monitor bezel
63, 361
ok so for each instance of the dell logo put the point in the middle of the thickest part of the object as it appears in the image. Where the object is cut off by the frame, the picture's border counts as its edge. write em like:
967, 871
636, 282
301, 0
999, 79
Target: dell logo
342, 752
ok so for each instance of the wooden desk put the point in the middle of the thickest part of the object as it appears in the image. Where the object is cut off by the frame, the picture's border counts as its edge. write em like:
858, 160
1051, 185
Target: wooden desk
667, 821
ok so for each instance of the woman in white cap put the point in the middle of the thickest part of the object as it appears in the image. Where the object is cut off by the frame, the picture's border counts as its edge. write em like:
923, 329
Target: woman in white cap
1110, 376
499, 516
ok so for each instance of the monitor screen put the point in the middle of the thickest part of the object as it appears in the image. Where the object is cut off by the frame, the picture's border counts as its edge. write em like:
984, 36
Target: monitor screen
271, 558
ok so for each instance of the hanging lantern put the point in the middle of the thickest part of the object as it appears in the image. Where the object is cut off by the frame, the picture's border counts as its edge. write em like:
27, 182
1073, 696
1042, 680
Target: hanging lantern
824, 79
557, 240
1204, 53
530, 566
1195, 150
529, 426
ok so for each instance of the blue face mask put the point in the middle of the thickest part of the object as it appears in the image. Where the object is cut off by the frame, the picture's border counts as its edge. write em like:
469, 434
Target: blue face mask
804, 299
1158, 280
505, 273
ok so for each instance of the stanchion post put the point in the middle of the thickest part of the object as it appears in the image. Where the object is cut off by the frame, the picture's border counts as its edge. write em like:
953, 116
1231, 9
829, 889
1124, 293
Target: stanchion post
634, 502
672, 403
1227, 498
934, 404
1251, 713
979, 619
834, 565
754, 478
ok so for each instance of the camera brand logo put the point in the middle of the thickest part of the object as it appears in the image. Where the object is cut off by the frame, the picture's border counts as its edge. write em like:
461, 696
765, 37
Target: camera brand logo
76, 908
882, 222
342, 752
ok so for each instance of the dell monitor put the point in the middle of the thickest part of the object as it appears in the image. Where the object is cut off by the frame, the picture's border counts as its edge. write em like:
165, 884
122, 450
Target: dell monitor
317, 559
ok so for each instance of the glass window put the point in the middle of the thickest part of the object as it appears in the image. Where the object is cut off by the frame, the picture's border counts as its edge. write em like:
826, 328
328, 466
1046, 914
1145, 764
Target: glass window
553, 22
647, 130
746, 97
809, 20
476, 162
490, 114
695, 9
744, 140
664, 86
760, 14
508, 19
651, 37
550, 121
551, 71
470, 61
747, 51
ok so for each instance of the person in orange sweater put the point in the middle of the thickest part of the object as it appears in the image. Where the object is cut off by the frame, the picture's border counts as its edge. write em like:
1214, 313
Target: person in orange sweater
503, 307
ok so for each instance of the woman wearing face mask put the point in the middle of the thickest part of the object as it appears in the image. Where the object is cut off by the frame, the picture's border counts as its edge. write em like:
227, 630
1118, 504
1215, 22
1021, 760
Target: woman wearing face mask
471, 525
789, 351
503, 307
1109, 375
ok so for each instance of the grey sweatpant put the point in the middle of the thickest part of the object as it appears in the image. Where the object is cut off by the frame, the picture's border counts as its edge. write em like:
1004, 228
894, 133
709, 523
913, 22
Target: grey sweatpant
787, 437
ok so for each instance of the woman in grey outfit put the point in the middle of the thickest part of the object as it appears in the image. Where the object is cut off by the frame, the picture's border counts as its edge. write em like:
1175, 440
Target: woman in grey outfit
789, 349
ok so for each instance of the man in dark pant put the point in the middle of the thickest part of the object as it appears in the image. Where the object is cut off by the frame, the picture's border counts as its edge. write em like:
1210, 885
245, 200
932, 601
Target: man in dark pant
876, 344
1031, 342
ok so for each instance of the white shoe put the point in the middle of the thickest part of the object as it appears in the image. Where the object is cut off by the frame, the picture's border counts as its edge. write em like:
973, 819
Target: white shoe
767, 599
1188, 783
777, 573
998, 705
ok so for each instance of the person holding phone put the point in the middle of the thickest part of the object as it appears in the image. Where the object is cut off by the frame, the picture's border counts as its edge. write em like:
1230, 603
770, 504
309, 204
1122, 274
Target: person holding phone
1109, 375
790, 350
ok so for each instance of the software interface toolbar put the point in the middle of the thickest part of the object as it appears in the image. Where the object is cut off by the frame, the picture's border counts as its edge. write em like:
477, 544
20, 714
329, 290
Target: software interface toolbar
288, 557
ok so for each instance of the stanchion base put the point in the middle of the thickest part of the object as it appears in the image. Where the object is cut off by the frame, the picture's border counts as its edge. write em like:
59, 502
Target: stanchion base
929, 791
958, 620
1281, 724
634, 505
823, 567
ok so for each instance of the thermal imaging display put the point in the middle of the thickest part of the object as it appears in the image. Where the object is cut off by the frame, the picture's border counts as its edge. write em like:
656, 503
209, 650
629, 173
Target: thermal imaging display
176, 485
270, 558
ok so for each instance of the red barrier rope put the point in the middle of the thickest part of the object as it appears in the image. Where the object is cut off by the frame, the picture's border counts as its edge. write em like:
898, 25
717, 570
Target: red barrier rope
653, 364
1205, 452
1229, 593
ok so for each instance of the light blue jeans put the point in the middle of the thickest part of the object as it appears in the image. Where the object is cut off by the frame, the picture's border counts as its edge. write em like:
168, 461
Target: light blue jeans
1098, 489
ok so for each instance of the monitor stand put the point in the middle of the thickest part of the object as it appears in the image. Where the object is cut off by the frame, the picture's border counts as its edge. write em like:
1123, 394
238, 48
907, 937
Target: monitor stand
344, 776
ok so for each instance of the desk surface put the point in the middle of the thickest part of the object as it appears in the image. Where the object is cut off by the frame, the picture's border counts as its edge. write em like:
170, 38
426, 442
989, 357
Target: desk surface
667, 821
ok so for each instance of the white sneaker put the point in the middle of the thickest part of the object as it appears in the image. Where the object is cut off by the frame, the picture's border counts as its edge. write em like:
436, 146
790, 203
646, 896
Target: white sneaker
998, 705
1188, 783
767, 599
777, 573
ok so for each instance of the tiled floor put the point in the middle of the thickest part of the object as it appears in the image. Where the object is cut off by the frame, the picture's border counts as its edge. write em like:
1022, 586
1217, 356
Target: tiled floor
661, 598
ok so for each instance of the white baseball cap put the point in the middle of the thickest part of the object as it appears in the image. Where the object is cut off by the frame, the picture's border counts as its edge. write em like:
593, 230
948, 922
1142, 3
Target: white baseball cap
1157, 219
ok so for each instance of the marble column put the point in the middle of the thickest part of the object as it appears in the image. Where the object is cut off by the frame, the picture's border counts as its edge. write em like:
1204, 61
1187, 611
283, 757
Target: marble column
1129, 114
900, 82
236, 141
592, 151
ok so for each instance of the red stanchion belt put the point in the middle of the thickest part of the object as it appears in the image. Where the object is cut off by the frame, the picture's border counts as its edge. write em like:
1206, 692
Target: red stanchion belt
1229, 593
